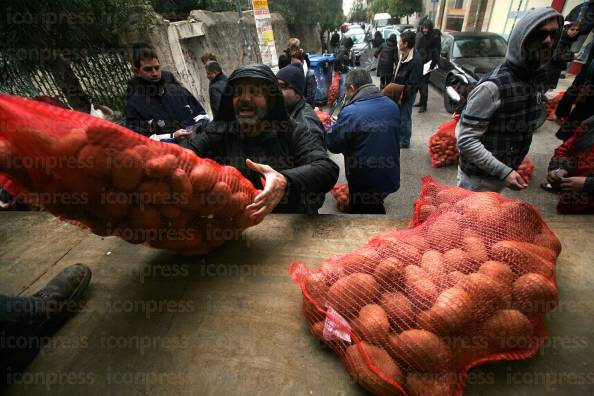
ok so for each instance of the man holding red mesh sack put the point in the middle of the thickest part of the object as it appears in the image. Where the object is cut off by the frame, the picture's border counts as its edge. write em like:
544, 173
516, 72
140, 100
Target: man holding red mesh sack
506, 107
253, 125
412, 311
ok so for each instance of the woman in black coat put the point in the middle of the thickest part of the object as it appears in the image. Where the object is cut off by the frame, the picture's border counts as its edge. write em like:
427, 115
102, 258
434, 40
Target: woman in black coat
387, 55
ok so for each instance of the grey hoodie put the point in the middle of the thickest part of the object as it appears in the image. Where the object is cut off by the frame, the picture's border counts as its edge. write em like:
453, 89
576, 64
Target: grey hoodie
483, 101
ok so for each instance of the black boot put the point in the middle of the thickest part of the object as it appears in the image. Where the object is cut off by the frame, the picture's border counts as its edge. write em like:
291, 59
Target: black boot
423, 109
31, 319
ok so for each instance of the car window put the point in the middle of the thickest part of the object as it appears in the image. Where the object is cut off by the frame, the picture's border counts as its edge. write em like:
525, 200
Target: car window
479, 47
446, 44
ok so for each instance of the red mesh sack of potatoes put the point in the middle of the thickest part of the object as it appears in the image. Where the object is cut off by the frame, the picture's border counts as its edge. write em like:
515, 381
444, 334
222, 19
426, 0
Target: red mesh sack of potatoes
526, 170
334, 90
442, 145
340, 192
116, 182
325, 119
413, 310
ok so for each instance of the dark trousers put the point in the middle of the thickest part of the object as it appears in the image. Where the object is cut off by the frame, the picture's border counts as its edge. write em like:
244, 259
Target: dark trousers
385, 80
424, 90
366, 203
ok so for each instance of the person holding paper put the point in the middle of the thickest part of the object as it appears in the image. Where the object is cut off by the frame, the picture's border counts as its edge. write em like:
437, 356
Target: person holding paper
428, 47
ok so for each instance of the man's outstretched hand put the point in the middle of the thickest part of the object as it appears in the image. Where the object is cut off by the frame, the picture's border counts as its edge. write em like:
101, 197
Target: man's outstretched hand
274, 191
515, 181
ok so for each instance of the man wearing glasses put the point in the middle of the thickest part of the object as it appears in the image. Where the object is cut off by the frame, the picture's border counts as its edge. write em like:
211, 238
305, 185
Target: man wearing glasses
506, 107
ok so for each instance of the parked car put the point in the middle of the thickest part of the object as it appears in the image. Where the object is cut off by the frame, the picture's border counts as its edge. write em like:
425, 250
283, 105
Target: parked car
397, 30
465, 58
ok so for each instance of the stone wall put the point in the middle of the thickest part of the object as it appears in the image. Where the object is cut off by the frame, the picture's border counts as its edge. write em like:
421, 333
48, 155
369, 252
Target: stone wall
181, 44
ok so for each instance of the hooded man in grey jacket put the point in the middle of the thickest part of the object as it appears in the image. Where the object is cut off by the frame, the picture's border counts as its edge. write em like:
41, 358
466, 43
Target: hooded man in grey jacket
507, 106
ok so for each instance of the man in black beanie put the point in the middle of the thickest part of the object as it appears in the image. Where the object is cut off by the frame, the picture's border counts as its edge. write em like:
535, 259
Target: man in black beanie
292, 82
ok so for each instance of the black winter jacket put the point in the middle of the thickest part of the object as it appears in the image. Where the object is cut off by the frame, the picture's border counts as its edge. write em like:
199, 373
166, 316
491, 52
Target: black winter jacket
428, 46
304, 114
387, 57
286, 146
216, 88
159, 108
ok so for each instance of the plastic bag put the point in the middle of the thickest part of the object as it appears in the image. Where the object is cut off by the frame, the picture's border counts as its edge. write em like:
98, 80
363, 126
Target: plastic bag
443, 148
340, 192
116, 182
413, 310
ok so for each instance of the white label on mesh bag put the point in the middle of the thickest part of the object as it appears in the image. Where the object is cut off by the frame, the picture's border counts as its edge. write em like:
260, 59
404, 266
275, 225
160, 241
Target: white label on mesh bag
334, 327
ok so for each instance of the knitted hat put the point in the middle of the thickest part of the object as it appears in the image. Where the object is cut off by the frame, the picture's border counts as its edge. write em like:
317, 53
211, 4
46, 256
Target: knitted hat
293, 76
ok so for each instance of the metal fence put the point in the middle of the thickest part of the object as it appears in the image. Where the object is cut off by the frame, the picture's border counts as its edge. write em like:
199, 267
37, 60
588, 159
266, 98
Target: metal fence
103, 78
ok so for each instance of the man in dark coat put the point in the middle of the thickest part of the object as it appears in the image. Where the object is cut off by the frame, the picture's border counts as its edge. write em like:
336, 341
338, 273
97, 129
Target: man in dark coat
580, 94
158, 106
584, 15
428, 46
254, 133
366, 132
409, 72
217, 85
334, 42
387, 55
344, 62
292, 83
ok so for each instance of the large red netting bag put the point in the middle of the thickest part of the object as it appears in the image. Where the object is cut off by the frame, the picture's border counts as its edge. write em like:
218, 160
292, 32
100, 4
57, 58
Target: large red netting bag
116, 182
443, 147
526, 170
413, 310
340, 192
325, 119
334, 90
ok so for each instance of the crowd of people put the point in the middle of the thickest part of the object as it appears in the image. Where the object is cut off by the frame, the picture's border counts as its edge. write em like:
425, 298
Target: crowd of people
264, 125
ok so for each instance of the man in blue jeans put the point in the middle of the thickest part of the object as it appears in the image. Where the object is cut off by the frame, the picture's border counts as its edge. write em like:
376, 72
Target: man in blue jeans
409, 73
26, 321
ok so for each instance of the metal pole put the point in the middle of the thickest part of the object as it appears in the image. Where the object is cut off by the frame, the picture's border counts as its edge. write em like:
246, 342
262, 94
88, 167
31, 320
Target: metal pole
247, 48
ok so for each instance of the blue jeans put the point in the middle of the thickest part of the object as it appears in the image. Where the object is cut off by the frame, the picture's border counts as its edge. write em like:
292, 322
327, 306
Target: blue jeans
406, 118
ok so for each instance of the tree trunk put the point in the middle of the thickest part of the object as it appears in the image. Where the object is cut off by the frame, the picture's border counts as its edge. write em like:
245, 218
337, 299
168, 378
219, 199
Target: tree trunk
67, 81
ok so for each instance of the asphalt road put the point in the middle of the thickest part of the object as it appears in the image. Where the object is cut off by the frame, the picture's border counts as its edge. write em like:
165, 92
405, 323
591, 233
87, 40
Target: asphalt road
416, 163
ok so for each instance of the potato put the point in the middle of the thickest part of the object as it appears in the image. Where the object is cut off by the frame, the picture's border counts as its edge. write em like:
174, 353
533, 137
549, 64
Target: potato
453, 278
452, 310
70, 144
507, 330
362, 260
534, 295
419, 287
450, 195
444, 207
546, 254
388, 273
521, 260
218, 198
476, 249
549, 240
170, 212
347, 295
203, 177
372, 324
427, 384
153, 192
421, 350
488, 294
457, 260
419, 242
128, 170
357, 366
474, 205
181, 185
94, 161
399, 310
425, 211
390, 245
523, 221
433, 262
498, 271
231, 176
161, 167
317, 330
236, 205
445, 233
